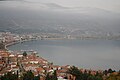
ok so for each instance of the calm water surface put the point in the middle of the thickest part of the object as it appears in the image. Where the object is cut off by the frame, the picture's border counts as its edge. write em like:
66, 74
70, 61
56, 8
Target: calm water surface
94, 54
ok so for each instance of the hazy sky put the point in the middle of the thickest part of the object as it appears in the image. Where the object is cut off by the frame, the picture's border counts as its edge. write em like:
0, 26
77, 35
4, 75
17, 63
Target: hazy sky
112, 5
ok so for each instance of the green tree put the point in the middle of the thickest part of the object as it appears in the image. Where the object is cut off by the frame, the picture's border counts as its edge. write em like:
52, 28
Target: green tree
113, 77
47, 77
75, 72
9, 76
37, 77
91, 77
52, 76
105, 72
28, 75
55, 76
98, 78
85, 75
24, 53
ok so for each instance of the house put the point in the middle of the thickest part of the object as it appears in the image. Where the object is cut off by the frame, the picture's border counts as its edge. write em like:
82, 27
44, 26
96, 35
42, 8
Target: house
24, 61
33, 61
12, 58
31, 67
19, 55
4, 56
13, 65
1, 63
40, 69
15, 69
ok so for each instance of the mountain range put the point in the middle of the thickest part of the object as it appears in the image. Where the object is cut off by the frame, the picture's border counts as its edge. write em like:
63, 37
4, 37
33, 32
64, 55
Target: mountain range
23, 16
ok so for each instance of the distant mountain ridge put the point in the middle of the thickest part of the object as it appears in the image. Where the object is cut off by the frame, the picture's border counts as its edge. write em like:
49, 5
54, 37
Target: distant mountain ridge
53, 18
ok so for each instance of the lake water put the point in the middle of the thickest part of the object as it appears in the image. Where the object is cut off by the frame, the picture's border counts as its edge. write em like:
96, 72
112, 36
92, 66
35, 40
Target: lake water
90, 54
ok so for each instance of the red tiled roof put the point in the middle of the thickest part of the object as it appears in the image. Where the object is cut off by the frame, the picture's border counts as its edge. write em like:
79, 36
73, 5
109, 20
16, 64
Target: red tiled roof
39, 69
1, 62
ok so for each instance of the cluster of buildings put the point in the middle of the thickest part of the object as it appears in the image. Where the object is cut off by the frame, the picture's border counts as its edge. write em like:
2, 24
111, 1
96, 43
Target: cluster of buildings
9, 38
16, 62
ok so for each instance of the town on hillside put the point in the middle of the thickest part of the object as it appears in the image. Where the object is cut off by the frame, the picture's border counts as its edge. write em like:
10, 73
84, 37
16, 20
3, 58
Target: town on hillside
27, 65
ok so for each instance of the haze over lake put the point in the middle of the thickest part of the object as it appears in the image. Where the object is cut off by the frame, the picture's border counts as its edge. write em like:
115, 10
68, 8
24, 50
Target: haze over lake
94, 54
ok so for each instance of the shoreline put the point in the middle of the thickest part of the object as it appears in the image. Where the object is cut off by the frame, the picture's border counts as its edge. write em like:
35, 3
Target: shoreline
21, 41
16, 42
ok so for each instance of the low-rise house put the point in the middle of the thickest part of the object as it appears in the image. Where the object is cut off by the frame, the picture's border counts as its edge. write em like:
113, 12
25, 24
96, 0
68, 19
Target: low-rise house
20, 56
62, 72
15, 69
40, 70
13, 65
9, 69
14, 62
1, 63
12, 58
28, 67
33, 61
11, 55
4, 55
25, 61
